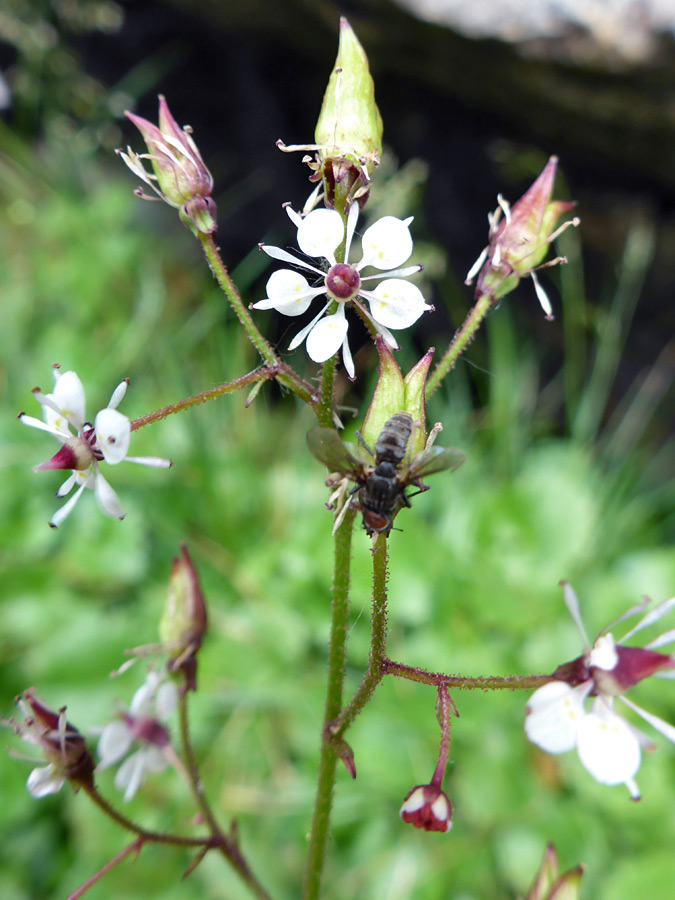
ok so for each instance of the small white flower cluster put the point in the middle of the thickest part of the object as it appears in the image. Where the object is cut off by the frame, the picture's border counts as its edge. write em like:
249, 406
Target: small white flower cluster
85, 445
152, 703
609, 748
393, 303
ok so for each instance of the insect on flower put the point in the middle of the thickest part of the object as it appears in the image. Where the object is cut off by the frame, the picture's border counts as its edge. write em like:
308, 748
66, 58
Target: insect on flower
382, 487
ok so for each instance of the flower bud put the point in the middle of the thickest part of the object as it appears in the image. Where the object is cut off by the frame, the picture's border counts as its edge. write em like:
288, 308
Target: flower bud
520, 240
349, 128
179, 176
394, 394
548, 886
183, 624
427, 807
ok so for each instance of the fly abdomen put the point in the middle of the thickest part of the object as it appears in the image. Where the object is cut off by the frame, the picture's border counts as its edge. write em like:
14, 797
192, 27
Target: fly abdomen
393, 440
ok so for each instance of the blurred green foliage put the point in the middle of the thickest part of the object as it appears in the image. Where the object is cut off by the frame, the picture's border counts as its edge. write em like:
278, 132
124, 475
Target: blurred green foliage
98, 282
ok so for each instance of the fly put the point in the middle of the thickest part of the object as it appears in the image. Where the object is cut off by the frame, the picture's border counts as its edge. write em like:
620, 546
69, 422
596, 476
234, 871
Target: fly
381, 485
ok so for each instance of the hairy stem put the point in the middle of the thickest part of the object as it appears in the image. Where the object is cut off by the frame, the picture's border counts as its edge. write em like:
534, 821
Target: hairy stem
465, 682
377, 659
460, 342
336, 670
226, 844
133, 847
284, 375
155, 837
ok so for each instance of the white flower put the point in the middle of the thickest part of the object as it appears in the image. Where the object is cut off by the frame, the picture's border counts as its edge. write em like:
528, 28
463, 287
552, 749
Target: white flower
63, 747
153, 701
85, 445
393, 303
609, 747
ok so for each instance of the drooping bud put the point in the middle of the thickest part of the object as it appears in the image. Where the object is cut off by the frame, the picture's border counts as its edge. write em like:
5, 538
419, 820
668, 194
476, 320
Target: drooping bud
427, 807
548, 886
184, 622
179, 175
349, 128
63, 747
520, 240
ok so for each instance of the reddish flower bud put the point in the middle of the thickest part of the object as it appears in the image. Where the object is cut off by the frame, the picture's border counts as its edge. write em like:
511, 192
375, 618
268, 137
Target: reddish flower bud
427, 807
520, 240
179, 175
184, 622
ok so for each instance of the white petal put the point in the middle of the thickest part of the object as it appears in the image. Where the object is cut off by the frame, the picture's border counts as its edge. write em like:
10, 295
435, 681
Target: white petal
114, 742
154, 760
387, 243
396, 303
289, 293
302, 334
113, 432
662, 727
321, 233
44, 780
61, 514
284, 256
68, 485
352, 218
414, 802
166, 699
572, 604
38, 423
118, 394
152, 462
143, 701
68, 395
652, 616
130, 774
607, 747
108, 499
542, 296
604, 653
326, 337
666, 638
477, 266
347, 359
553, 714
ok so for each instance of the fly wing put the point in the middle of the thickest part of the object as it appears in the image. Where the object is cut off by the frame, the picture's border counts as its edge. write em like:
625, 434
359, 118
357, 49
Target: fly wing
433, 459
326, 446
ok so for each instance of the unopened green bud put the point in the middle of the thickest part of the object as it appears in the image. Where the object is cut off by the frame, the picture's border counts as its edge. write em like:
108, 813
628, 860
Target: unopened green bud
348, 132
183, 624
549, 886
388, 397
414, 384
394, 394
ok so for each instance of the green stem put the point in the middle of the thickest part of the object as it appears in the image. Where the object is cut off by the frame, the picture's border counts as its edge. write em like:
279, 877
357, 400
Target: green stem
324, 408
227, 845
461, 340
336, 670
284, 375
377, 660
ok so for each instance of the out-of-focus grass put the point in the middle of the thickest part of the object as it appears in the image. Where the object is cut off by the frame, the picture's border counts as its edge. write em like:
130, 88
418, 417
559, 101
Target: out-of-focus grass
97, 282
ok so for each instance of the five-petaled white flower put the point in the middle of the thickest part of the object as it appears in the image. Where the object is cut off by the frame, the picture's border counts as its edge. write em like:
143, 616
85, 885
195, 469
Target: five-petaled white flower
107, 439
153, 701
393, 303
609, 747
